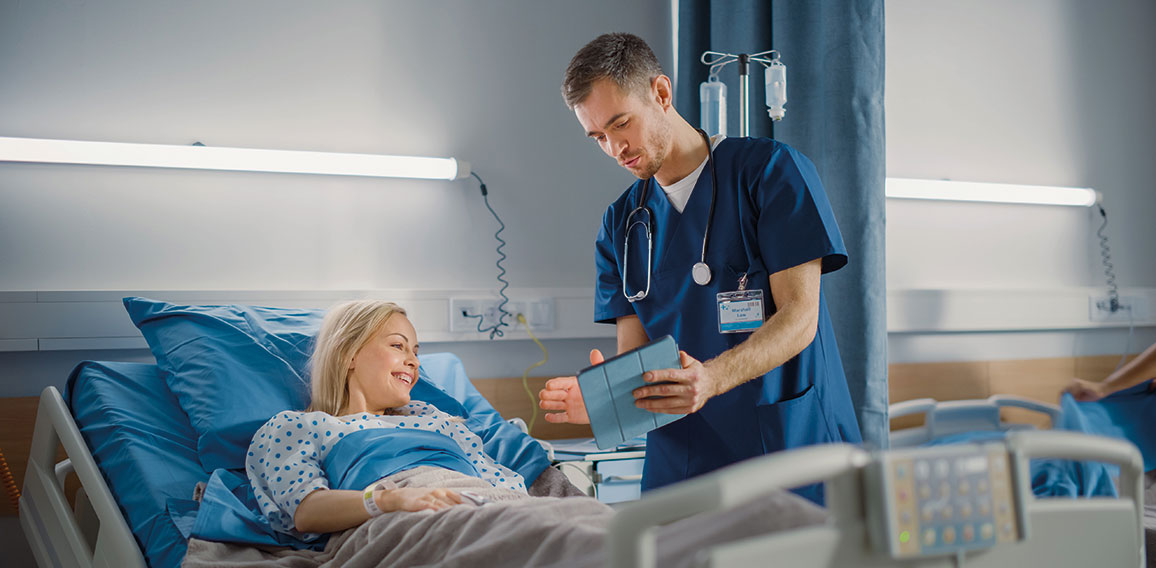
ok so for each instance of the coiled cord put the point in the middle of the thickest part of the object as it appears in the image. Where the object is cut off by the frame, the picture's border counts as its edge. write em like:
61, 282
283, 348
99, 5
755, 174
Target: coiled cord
1113, 289
1106, 258
9, 483
495, 330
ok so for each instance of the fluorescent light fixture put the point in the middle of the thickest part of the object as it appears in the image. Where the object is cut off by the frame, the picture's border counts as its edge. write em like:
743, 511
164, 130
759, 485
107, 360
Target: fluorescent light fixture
45, 151
900, 188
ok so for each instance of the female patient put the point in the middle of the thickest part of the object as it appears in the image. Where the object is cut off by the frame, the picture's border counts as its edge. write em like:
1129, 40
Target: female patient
362, 427
363, 367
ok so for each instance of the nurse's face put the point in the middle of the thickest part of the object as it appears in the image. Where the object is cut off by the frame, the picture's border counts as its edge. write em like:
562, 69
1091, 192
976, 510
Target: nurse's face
385, 369
632, 128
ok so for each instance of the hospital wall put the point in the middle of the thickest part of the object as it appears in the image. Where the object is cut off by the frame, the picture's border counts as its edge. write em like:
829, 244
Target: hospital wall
476, 81
1038, 91
1045, 92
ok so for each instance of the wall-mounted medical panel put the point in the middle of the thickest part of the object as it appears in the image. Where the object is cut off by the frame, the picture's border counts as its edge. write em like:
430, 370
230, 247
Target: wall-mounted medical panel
968, 310
78, 320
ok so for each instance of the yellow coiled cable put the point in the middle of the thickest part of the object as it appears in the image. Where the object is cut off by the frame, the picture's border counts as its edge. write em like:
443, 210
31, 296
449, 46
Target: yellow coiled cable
526, 376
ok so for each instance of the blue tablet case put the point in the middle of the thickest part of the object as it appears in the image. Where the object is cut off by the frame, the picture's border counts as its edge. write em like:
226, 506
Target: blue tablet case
606, 390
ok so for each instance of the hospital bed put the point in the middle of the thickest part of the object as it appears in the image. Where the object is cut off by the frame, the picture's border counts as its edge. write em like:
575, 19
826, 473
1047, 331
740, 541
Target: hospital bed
135, 453
135, 450
124, 509
868, 494
965, 504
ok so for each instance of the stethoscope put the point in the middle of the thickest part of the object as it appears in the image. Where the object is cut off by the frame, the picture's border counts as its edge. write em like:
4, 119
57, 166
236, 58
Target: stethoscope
700, 272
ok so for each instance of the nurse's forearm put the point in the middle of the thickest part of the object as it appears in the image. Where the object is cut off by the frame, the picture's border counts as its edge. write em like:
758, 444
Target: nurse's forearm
796, 294
784, 335
630, 333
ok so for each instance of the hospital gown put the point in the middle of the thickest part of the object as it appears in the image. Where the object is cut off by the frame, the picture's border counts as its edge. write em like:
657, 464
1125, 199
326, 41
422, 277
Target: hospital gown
284, 461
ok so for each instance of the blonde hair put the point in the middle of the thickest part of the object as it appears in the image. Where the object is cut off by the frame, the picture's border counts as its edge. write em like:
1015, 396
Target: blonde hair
345, 330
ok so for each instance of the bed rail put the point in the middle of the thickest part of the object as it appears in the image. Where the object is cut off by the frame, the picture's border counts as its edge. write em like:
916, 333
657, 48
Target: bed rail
634, 528
1076, 446
943, 418
1056, 532
95, 534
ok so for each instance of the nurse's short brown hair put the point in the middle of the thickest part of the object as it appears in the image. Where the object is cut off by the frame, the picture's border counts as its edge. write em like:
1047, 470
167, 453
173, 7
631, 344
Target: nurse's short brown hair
621, 57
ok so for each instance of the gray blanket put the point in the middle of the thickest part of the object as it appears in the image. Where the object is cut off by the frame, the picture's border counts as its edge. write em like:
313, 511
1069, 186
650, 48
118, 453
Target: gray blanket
512, 530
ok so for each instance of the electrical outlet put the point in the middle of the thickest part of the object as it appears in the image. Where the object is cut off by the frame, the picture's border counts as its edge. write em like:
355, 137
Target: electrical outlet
464, 312
1129, 308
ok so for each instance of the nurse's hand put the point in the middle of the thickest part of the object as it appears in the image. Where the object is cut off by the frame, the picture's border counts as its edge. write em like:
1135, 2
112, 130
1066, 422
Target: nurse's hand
1085, 391
563, 394
686, 391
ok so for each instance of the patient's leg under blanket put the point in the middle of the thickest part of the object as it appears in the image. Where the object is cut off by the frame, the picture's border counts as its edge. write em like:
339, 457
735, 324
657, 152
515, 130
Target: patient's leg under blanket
512, 530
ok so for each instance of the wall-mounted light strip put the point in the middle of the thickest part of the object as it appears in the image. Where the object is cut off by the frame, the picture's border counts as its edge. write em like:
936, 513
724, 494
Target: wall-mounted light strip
900, 188
38, 150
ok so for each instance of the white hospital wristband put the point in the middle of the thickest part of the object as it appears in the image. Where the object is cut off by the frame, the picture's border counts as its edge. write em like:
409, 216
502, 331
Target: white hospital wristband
371, 503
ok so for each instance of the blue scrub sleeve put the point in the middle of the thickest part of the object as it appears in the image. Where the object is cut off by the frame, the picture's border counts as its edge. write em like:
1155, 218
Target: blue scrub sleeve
609, 302
796, 224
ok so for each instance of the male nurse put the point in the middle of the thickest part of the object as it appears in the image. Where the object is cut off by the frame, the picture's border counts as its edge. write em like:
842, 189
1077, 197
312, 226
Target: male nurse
760, 368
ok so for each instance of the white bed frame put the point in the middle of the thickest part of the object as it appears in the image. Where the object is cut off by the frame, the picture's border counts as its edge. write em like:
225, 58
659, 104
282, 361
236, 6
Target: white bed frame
1086, 532
1061, 532
957, 416
93, 534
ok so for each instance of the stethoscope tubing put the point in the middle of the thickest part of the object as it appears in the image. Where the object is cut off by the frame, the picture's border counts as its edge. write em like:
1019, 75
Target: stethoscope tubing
631, 222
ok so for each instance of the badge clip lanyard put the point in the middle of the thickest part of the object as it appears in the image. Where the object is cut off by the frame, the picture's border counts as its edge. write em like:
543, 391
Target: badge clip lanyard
700, 272
740, 311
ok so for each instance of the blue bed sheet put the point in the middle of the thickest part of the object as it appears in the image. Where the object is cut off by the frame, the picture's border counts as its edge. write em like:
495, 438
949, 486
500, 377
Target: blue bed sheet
1129, 414
145, 447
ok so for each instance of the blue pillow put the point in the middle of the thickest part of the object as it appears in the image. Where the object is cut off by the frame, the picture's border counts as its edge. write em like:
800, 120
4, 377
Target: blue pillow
230, 367
233, 367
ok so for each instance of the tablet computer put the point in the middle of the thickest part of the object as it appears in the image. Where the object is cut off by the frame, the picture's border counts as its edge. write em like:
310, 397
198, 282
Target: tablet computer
607, 392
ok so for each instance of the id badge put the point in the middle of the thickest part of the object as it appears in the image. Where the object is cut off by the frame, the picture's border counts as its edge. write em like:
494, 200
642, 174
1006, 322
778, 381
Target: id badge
740, 312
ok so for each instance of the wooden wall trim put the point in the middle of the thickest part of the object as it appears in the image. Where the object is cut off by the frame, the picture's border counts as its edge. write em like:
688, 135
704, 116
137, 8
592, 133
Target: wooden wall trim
1037, 379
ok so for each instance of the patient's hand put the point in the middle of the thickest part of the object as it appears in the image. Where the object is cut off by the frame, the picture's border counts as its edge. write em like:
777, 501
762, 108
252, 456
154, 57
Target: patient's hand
1085, 391
416, 499
562, 393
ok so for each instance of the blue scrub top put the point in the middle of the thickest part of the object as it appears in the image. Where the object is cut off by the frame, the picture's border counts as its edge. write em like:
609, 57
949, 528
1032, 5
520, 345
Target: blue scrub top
771, 214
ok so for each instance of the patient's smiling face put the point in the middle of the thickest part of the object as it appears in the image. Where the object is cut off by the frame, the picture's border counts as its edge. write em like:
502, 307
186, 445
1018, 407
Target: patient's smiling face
384, 371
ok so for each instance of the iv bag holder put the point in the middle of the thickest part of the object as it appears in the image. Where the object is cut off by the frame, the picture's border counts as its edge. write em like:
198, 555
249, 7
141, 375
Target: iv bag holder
717, 60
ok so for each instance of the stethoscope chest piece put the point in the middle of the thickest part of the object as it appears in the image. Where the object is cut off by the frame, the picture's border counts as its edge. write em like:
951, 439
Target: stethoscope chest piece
701, 273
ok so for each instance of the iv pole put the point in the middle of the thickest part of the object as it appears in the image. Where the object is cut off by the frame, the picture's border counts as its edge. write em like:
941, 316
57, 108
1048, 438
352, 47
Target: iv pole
717, 60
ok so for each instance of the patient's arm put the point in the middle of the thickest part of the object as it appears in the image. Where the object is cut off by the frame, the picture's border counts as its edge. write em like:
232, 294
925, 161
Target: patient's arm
332, 510
1135, 372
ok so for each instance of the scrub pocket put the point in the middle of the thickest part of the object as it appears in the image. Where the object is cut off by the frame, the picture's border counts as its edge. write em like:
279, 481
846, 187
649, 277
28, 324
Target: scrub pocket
793, 422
